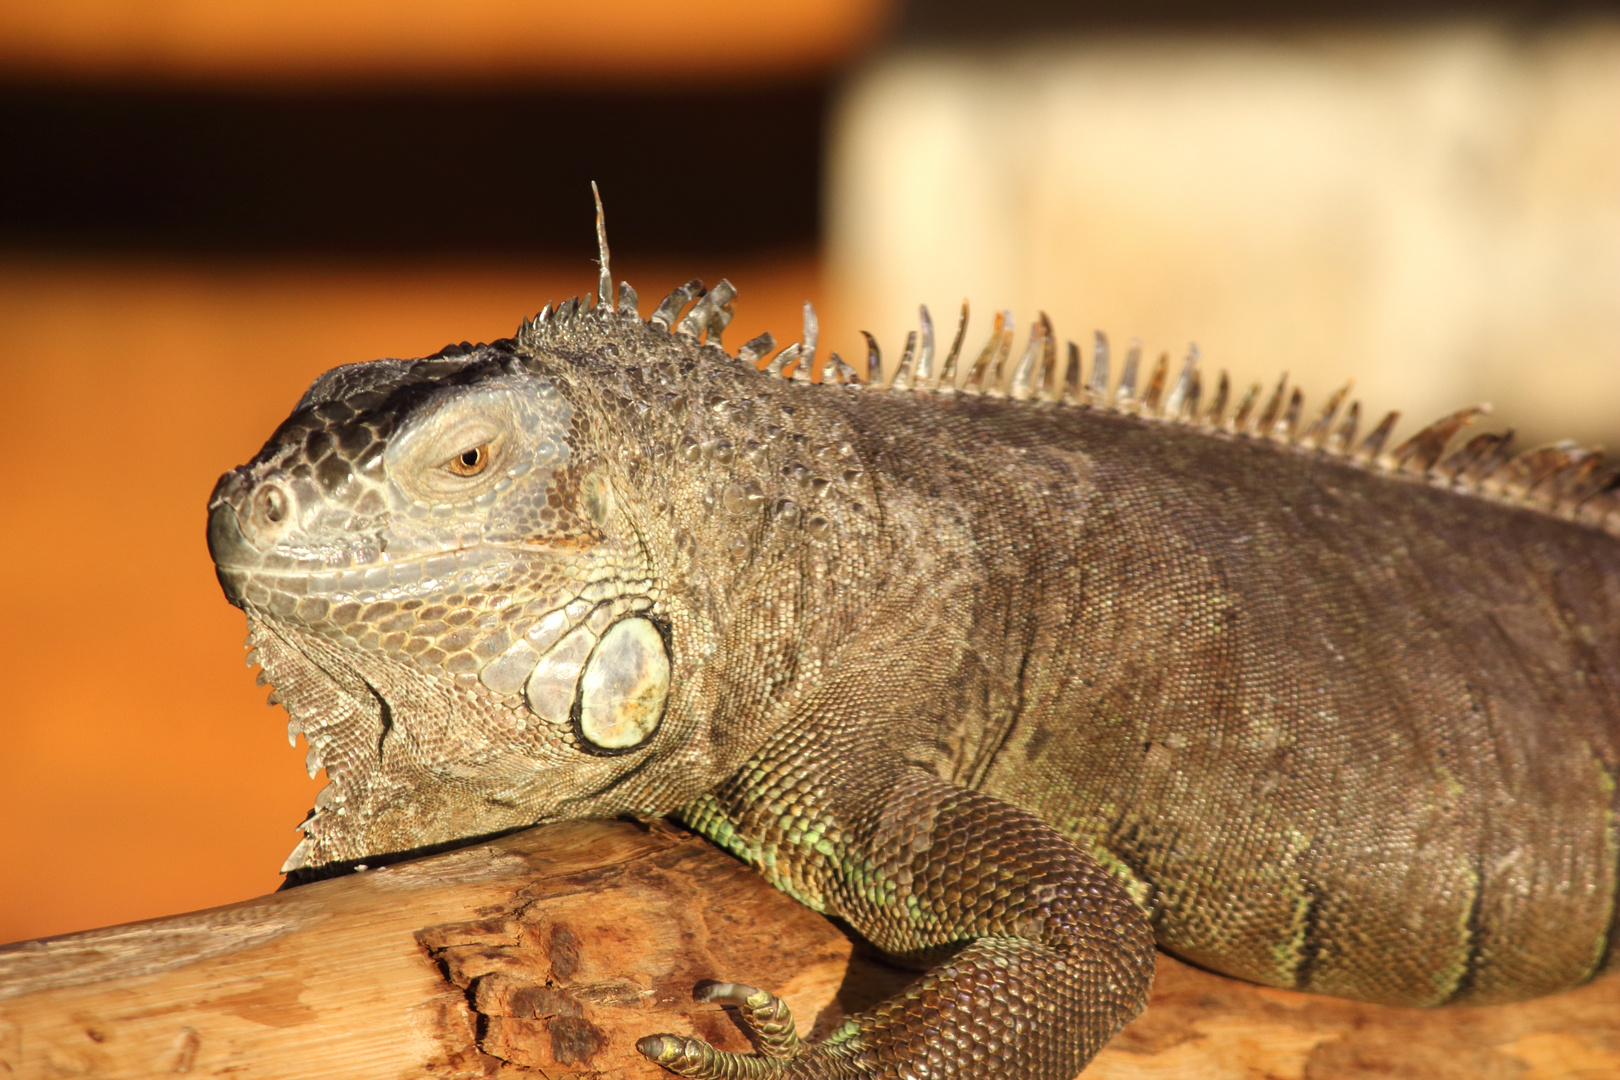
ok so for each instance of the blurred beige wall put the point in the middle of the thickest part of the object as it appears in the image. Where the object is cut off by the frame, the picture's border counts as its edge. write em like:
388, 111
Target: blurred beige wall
1434, 211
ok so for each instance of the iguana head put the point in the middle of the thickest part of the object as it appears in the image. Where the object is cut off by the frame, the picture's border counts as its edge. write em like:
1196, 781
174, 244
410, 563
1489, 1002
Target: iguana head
469, 577
444, 594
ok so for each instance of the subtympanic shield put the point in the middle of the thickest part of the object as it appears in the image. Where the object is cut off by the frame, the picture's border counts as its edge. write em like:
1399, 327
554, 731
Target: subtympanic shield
623, 687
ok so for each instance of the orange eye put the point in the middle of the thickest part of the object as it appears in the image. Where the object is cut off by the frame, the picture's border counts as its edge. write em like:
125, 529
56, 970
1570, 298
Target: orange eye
470, 462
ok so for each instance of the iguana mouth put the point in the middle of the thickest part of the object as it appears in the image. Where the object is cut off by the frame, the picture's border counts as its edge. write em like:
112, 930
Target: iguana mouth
381, 579
362, 570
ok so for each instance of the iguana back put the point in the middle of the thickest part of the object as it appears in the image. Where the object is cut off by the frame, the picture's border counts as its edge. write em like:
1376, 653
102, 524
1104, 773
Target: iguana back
1338, 730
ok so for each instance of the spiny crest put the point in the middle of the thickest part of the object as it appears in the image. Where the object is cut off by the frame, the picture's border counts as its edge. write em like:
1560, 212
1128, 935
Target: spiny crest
707, 312
1563, 479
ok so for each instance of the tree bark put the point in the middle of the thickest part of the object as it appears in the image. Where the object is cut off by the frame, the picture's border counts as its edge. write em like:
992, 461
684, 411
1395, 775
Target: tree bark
548, 953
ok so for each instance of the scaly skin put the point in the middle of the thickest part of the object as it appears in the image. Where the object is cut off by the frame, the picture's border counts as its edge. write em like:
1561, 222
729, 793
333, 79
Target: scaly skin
1013, 687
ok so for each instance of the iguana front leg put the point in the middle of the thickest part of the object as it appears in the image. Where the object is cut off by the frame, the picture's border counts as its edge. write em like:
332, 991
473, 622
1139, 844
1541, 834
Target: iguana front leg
1054, 957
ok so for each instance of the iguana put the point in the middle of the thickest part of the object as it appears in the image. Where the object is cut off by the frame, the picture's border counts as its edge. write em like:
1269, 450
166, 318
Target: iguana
1017, 672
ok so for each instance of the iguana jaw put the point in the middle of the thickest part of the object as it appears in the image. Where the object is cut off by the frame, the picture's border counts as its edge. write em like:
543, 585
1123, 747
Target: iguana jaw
419, 756
405, 770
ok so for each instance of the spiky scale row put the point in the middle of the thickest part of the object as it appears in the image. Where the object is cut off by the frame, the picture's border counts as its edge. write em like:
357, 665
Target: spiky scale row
874, 360
663, 317
710, 314
807, 346
947, 373
604, 284
1071, 377
1562, 479
925, 356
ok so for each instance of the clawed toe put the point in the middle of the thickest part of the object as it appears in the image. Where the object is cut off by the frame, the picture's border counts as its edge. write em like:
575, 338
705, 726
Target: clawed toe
698, 1060
725, 992
763, 1015
688, 1057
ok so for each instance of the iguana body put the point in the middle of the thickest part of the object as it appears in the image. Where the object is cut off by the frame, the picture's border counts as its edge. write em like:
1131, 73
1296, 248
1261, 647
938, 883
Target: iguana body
1013, 686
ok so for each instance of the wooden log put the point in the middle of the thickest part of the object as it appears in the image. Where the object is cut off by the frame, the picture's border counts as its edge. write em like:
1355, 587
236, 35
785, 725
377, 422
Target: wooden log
548, 953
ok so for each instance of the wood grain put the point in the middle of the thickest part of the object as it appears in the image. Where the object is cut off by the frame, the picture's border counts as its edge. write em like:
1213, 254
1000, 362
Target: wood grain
548, 953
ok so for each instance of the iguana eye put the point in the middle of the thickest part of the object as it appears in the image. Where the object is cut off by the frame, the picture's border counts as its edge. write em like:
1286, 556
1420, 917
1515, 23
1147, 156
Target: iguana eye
470, 462
454, 448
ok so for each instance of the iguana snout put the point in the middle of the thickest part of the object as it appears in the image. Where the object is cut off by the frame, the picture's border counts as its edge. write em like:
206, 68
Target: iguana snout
246, 520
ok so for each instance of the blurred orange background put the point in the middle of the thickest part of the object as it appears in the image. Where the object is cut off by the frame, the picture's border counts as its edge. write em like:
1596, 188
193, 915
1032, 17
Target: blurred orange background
638, 40
142, 774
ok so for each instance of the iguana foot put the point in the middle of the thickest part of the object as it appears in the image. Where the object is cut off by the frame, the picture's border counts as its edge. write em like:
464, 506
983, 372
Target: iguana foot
766, 1018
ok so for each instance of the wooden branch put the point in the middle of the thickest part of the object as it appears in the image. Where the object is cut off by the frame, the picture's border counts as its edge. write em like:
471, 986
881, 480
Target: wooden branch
548, 953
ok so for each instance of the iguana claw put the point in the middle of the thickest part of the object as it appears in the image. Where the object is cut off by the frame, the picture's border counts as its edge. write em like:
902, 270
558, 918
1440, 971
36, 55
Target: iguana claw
765, 1017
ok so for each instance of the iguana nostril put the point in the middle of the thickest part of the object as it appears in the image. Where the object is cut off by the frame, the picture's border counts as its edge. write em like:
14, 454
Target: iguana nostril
273, 504
267, 514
